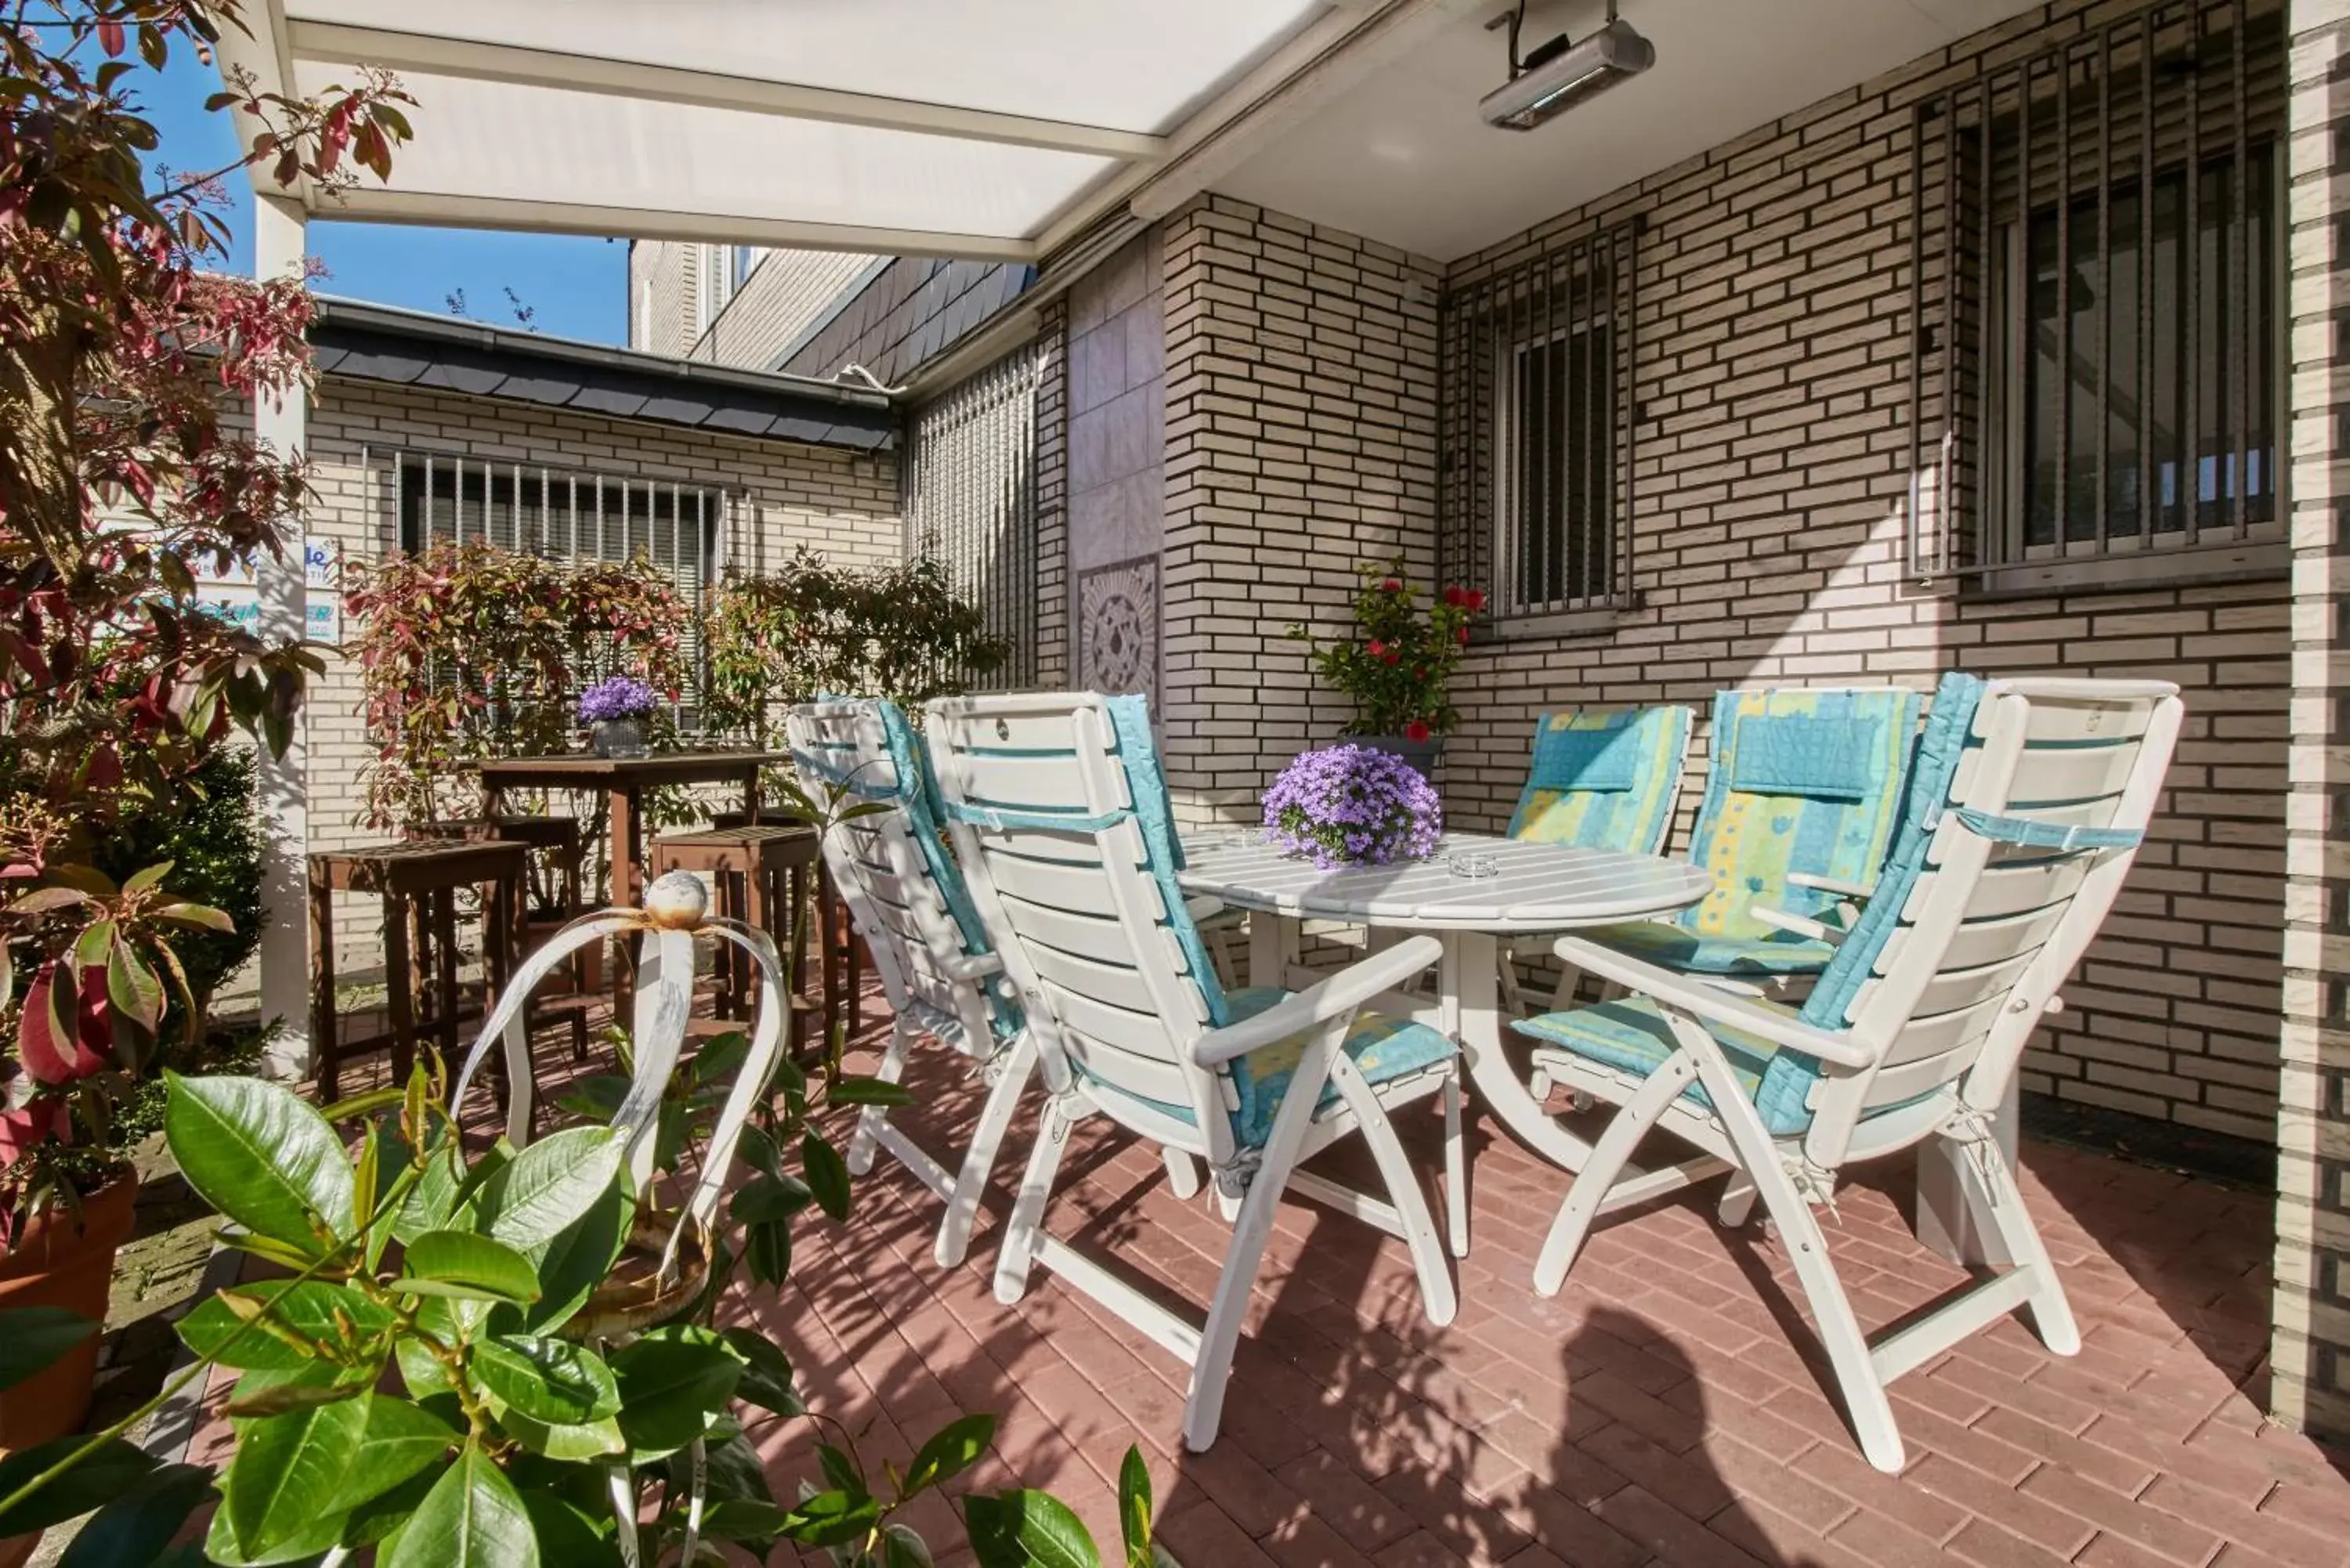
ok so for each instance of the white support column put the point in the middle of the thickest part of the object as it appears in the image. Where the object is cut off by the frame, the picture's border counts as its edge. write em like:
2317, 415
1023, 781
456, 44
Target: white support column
279, 225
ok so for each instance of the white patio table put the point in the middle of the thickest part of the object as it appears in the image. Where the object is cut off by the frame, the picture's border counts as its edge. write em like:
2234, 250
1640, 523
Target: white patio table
1533, 887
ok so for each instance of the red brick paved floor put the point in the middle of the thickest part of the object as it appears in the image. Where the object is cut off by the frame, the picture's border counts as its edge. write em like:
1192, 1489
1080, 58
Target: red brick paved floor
1665, 1409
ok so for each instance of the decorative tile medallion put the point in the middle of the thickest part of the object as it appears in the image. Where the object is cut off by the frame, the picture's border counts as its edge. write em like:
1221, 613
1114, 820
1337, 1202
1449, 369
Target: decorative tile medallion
1117, 627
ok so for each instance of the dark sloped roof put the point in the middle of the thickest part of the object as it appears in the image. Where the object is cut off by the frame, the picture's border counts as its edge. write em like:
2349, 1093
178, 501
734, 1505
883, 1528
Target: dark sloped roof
907, 313
409, 349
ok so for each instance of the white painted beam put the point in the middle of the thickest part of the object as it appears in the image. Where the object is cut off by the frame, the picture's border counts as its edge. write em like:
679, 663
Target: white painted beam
263, 55
427, 55
278, 234
369, 204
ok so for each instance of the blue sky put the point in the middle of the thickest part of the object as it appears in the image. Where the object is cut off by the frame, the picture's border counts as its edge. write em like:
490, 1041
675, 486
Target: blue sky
577, 287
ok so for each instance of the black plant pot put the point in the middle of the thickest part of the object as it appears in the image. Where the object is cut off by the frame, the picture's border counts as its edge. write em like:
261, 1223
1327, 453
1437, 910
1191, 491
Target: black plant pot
1421, 755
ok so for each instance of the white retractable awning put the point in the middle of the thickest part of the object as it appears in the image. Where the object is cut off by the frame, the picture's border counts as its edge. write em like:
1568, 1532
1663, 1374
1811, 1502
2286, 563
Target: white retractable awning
993, 128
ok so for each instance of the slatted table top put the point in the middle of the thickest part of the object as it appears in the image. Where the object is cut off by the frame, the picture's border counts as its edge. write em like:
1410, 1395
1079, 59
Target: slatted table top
1533, 887
579, 770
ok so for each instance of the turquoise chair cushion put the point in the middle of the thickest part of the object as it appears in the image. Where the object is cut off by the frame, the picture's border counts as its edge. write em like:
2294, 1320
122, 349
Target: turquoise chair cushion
1662, 943
1604, 778
1384, 1049
1805, 781
1631, 1036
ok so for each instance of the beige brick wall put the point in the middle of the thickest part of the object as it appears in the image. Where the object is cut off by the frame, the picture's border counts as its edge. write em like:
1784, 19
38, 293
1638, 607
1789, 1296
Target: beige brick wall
1054, 659
784, 292
2311, 1354
1301, 439
662, 280
1772, 329
842, 504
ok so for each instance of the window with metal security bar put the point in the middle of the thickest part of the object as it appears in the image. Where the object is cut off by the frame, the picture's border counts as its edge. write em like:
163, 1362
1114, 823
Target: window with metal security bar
1537, 432
566, 515
2095, 389
971, 503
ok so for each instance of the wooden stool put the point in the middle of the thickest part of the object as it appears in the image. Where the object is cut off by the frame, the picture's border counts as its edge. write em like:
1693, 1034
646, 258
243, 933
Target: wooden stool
761, 875
844, 951
559, 842
418, 882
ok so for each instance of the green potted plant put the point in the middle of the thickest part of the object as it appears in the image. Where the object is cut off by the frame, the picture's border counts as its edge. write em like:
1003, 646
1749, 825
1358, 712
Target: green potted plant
120, 354
1398, 663
418, 1380
87, 967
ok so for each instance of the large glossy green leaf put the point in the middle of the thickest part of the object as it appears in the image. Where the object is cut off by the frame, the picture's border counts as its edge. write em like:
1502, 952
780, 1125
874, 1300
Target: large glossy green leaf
138, 1525
1134, 1508
830, 1519
766, 1372
298, 1323
111, 1470
260, 1154
1027, 1530
827, 1173
380, 1517
952, 1450
272, 1391
739, 1518
461, 1258
287, 1468
306, 1546
547, 1187
577, 1260
768, 1197
673, 1381
901, 1548
564, 1535
473, 1518
559, 1441
547, 1379
432, 1201
400, 1439
33, 1337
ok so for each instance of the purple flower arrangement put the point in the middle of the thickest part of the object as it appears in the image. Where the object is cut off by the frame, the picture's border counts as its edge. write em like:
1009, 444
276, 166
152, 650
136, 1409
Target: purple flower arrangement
1352, 805
621, 697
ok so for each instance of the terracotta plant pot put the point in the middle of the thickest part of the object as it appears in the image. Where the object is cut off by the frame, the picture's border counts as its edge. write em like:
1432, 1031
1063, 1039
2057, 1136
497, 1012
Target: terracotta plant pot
58, 1263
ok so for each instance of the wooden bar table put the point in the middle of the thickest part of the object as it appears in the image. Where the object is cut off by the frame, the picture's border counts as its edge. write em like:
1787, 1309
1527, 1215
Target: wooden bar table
624, 781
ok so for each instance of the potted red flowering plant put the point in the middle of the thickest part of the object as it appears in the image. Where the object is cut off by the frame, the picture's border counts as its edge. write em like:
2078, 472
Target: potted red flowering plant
1397, 662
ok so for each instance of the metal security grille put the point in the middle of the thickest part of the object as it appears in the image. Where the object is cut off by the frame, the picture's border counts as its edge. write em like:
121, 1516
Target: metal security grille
566, 515
971, 502
2096, 272
1536, 476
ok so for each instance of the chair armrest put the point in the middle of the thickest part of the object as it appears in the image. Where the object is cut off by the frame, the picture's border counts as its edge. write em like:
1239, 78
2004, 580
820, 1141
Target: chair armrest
1835, 885
1203, 906
974, 966
1344, 993
1799, 925
1702, 1001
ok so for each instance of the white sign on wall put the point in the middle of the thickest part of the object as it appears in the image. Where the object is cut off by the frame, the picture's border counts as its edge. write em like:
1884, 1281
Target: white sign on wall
232, 593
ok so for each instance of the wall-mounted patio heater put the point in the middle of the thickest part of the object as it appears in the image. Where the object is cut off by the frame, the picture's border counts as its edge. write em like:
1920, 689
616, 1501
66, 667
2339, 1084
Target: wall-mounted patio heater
1556, 75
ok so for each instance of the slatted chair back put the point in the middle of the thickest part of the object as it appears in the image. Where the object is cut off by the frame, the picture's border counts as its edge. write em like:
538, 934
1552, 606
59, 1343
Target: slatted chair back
2030, 802
1801, 780
891, 868
1060, 817
1604, 778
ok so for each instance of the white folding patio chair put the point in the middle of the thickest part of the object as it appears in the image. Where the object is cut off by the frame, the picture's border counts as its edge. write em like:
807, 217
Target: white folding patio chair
906, 898
2029, 803
1059, 815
